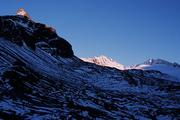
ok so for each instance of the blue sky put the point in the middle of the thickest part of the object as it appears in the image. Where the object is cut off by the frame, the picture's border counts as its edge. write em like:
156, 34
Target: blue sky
129, 31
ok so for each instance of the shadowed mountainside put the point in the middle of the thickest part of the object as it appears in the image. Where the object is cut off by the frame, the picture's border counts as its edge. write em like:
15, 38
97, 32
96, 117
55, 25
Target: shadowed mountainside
40, 78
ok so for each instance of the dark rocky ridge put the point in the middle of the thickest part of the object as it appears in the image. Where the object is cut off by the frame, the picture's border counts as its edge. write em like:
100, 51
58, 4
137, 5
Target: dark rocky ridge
19, 29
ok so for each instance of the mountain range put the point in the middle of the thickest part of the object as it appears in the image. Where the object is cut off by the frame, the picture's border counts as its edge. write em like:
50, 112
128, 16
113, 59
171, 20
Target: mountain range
171, 69
42, 79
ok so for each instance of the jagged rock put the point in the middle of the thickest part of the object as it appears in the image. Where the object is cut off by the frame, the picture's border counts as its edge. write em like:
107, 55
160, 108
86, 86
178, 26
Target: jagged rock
62, 47
20, 29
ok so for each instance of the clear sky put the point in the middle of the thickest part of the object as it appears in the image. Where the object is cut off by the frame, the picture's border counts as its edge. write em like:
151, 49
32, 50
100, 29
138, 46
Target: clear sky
129, 31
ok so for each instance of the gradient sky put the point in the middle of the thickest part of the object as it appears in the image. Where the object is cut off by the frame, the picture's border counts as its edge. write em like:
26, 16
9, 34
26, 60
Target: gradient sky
129, 31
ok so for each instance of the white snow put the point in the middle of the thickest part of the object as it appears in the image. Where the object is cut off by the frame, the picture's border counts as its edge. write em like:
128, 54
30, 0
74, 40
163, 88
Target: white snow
22, 12
104, 61
162, 67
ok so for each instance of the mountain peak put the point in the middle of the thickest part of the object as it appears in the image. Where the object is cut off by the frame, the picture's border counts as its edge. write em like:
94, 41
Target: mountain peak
22, 12
156, 61
102, 60
160, 61
172, 69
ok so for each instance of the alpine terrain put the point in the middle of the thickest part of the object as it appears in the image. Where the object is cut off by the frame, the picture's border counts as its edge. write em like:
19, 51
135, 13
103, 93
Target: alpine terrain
172, 69
42, 79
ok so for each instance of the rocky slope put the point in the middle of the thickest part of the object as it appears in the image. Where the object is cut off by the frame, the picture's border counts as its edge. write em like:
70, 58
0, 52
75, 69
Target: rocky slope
41, 78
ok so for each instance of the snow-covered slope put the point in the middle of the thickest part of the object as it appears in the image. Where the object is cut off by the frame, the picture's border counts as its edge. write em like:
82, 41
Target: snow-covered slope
41, 78
104, 61
172, 69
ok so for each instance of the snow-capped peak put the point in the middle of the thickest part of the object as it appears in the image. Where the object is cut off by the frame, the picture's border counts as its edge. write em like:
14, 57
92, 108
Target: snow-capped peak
104, 61
161, 65
22, 12
156, 61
